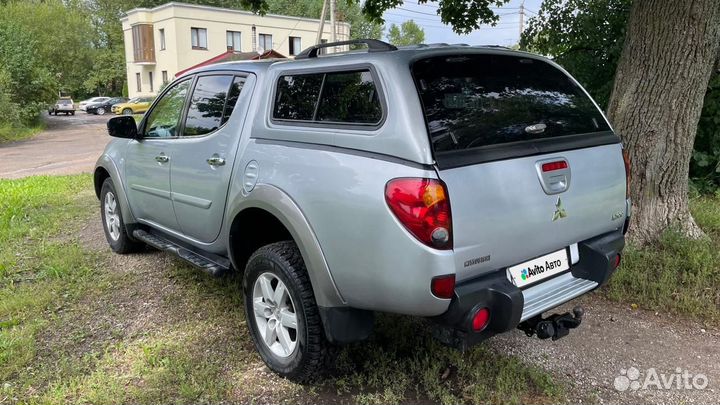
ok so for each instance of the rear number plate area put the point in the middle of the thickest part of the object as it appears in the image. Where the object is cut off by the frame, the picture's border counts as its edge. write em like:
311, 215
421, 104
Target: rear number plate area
532, 271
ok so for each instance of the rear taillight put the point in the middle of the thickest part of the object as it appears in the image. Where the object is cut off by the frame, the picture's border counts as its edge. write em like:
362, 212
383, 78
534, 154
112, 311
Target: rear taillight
626, 160
423, 207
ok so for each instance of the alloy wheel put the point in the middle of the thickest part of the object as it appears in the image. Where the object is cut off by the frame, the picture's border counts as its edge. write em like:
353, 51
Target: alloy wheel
112, 216
275, 315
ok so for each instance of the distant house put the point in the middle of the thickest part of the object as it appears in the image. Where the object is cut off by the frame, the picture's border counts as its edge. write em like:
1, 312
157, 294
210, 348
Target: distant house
170, 39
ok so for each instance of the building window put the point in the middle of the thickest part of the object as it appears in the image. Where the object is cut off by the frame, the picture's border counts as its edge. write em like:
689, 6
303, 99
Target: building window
143, 45
162, 38
138, 79
265, 42
295, 45
150, 76
233, 40
198, 38
164, 76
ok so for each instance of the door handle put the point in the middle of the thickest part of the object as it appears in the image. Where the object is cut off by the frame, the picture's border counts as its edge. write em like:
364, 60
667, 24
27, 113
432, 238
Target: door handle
216, 160
162, 158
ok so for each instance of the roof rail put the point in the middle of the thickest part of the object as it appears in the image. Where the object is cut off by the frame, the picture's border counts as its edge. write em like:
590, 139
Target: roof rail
373, 45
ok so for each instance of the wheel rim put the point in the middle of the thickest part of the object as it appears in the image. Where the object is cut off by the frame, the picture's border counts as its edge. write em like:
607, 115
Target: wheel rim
127, 111
101, 111
112, 216
275, 315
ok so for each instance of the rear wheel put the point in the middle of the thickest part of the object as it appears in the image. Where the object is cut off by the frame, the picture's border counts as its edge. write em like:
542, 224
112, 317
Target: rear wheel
281, 311
127, 111
113, 222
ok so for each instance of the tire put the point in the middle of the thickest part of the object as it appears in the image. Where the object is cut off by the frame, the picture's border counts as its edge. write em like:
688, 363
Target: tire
113, 223
127, 111
72, 113
275, 263
100, 111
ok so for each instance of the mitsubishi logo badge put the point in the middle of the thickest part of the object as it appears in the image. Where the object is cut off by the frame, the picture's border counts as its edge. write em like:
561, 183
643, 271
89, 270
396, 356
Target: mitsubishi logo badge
559, 210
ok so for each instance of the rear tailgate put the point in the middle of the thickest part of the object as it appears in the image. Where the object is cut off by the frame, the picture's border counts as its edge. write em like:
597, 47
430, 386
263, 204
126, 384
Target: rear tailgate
530, 163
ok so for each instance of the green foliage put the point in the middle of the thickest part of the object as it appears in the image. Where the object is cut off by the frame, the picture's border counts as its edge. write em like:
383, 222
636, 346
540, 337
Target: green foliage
705, 164
408, 33
677, 275
584, 36
463, 15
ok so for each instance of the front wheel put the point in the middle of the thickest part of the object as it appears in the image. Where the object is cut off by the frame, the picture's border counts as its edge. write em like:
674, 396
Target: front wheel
127, 111
113, 222
100, 111
280, 308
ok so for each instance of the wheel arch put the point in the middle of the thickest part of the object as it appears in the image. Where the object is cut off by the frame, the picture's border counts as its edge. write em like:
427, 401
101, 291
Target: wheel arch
267, 215
105, 168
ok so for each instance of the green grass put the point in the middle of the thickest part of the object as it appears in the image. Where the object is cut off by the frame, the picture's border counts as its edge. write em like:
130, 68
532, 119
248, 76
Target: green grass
12, 134
80, 325
677, 275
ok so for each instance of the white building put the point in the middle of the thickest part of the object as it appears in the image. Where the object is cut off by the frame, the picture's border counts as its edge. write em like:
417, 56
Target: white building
165, 40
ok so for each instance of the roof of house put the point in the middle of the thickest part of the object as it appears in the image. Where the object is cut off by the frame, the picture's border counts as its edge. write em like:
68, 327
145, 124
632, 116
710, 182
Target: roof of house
233, 56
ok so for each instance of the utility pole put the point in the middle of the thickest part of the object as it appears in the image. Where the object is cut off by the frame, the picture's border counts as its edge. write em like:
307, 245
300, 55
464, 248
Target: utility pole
333, 22
322, 22
522, 18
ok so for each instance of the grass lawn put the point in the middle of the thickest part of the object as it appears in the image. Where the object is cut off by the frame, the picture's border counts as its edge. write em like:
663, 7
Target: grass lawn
10, 134
677, 275
81, 325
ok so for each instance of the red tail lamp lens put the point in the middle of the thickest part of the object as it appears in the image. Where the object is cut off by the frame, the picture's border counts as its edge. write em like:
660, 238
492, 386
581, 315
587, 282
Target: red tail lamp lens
552, 166
423, 207
616, 263
443, 286
480, 319
628, 166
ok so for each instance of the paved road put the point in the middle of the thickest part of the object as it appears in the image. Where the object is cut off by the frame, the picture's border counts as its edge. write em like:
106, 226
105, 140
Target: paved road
69, 145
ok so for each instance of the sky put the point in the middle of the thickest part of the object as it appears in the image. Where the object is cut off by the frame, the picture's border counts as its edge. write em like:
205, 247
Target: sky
506, 32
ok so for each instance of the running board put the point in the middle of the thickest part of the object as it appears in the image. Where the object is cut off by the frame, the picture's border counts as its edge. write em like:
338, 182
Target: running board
214, 265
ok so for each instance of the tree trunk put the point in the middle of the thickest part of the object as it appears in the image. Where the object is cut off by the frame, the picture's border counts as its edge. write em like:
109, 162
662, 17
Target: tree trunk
663, 72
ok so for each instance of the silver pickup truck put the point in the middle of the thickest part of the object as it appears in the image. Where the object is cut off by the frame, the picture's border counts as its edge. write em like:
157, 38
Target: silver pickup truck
475, 186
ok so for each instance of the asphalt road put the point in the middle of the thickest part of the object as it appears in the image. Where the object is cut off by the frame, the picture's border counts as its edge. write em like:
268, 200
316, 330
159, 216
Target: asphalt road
70, 144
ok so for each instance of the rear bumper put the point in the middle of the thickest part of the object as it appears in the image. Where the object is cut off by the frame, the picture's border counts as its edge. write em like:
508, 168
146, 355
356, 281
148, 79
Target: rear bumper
510, 305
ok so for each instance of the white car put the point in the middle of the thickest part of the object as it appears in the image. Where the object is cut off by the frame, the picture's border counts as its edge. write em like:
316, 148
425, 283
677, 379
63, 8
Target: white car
83, 104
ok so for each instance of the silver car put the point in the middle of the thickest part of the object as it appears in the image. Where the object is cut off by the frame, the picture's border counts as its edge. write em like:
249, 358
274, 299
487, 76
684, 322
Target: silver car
475, 186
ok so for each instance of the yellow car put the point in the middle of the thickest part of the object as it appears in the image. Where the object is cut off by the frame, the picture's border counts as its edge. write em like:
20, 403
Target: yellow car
137, 105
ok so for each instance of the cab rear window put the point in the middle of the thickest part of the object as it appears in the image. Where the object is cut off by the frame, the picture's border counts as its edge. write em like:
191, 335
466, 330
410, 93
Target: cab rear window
348, 97
471, 101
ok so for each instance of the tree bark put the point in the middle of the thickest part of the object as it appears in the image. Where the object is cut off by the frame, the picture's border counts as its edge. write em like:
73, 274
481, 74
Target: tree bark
668, 56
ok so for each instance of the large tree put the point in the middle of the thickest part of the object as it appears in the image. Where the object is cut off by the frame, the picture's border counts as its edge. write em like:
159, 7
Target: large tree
668, 56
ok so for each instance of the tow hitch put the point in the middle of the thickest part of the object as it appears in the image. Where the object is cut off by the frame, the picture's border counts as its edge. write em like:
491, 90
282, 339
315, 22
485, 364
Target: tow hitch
555, 326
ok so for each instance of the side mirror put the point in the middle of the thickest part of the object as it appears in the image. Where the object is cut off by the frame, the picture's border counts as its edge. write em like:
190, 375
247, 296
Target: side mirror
122, 127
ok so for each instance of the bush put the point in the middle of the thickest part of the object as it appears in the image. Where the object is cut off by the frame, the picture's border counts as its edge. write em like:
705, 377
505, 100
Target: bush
705, 164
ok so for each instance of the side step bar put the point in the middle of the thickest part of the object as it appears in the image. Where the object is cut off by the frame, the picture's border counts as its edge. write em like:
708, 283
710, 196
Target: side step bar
207, 262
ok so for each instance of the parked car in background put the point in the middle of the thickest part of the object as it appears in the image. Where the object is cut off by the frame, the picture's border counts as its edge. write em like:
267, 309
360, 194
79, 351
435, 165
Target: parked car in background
63, 105
137, 105
83, 104
105, 106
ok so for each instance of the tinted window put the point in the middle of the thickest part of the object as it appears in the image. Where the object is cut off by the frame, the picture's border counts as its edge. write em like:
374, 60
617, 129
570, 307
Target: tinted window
297, 96
232, 98
477, 100
163, 120
347, 97
207, 105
